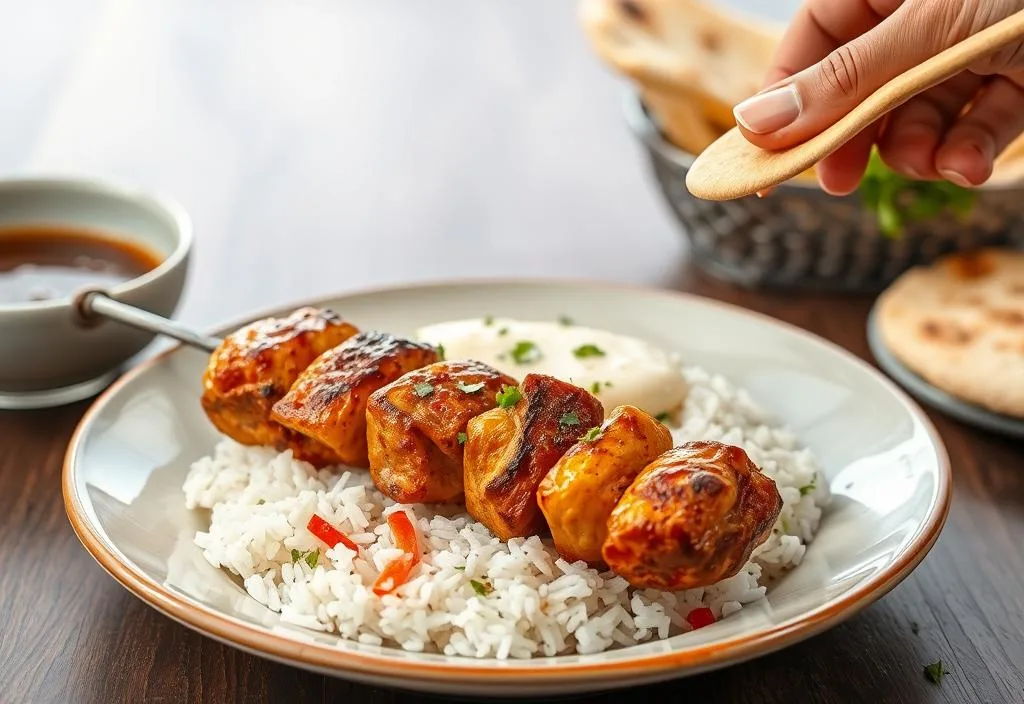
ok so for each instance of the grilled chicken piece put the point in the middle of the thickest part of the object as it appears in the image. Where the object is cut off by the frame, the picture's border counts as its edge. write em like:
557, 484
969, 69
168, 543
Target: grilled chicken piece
510, 449
578, 494
414, 426
691, 518
328, 401
256, 365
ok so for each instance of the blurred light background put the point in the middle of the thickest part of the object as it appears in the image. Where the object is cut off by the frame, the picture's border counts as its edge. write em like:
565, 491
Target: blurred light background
353, 132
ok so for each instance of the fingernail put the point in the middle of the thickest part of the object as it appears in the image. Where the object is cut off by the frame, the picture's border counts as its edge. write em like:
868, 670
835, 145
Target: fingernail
955, 177
767, 112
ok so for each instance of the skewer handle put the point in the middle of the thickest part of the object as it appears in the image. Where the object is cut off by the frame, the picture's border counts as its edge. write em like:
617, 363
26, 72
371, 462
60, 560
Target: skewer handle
93, 304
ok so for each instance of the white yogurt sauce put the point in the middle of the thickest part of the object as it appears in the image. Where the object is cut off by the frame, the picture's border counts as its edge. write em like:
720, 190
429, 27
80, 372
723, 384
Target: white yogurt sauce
617, 369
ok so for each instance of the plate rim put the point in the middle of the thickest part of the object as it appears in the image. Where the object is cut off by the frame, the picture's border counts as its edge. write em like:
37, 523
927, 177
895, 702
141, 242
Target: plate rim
259, 640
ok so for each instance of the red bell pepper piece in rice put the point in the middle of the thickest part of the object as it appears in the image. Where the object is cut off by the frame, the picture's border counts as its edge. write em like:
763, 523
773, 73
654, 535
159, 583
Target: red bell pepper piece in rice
698, 618
396, 572
404, 533
328, 533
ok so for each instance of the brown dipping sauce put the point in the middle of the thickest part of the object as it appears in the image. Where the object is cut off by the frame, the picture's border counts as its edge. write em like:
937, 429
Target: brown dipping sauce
46, 263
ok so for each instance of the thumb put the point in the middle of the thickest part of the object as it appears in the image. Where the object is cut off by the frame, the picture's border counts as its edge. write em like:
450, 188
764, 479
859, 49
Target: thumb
804, 104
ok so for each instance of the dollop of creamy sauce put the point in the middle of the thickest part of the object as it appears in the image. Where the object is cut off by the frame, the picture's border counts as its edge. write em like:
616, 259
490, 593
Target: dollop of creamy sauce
617, 369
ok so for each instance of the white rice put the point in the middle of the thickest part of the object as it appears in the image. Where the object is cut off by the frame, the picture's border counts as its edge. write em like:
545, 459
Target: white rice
471, 594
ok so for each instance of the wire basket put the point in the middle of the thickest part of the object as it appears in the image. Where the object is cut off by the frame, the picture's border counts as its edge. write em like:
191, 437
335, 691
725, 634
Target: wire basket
801, 237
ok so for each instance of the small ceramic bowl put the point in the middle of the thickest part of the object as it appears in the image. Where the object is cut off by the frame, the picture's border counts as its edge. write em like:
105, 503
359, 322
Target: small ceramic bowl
47, 356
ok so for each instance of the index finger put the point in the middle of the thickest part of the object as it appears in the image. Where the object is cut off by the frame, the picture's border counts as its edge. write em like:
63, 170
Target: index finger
820, 26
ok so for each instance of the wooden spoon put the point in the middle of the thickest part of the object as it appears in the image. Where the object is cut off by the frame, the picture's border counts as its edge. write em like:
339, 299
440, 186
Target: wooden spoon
732, 167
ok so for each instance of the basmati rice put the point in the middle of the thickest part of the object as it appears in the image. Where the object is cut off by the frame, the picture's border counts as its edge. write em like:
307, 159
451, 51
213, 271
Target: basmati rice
473, 595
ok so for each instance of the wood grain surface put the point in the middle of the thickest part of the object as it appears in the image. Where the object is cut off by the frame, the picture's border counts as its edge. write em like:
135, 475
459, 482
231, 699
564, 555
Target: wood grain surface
327, 146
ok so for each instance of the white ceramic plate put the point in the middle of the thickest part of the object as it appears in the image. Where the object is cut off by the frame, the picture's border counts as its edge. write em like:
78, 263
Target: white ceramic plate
884, 462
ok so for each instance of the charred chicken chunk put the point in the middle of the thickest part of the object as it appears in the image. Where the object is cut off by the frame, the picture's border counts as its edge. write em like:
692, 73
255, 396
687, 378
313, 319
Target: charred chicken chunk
256, 365
691, 518
510, 449
578, 494
328, 401
416, 428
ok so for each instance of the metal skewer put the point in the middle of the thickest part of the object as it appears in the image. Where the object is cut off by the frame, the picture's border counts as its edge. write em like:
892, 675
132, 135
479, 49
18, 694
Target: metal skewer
94, 304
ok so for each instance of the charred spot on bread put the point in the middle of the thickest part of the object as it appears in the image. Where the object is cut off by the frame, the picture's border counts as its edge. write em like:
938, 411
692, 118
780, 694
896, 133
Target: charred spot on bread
632, 9
711, 41
1007, 316
945, 331
974, 265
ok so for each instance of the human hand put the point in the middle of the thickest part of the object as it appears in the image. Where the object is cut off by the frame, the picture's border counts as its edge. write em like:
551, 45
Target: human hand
837, 52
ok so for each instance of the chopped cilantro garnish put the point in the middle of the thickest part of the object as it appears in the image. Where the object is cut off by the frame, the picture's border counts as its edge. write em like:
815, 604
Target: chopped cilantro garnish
469, 388
569, 419
502, 332
461, 568
608, 384
663, 416
595, 388
488, 320
808, 488
935, 671
423, 389
508, 396
565, 320
462, 438
310, 558
261, 502
588, 350
591, 434
440, 352
481, 588
525, 352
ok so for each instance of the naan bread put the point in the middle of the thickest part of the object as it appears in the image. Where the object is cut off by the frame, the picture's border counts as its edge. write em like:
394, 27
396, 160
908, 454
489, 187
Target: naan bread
959, 324
692, 62
685, 46
680, 120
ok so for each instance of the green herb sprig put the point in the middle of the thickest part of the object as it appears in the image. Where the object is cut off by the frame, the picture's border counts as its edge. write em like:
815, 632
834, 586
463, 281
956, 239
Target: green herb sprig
897, 200
481, 588
525, 352
508, 396
934, 672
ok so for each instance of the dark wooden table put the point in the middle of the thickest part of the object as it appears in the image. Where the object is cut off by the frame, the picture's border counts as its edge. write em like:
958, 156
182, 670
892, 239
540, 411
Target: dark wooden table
327, 146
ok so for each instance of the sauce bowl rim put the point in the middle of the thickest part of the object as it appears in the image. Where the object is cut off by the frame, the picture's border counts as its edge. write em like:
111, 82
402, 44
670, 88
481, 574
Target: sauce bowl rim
154, 201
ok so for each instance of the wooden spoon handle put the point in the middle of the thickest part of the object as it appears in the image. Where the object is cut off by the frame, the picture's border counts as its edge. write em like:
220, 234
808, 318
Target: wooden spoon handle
732, 167
947, 63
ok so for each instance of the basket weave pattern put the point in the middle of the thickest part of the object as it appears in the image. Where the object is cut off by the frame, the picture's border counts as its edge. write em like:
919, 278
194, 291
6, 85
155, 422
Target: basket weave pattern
801, 237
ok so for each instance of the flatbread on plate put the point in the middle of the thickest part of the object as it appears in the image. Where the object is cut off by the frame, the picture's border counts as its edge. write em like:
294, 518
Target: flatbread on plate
959, 324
